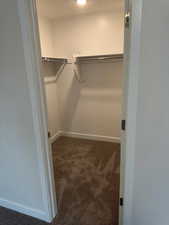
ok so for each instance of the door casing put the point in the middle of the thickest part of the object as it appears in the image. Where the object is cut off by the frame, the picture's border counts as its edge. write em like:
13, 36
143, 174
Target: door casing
31, 41
130, 98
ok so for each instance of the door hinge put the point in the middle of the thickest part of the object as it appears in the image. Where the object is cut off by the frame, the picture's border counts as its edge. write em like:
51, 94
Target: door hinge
121, 201
127, 20
123, 124
49, 134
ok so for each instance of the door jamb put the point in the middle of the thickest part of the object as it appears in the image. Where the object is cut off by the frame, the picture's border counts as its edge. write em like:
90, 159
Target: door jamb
132, 69
31, 42
33, 57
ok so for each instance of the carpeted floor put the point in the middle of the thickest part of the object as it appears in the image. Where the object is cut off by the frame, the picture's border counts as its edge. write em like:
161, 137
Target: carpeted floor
87, 181
87, 176
9, 217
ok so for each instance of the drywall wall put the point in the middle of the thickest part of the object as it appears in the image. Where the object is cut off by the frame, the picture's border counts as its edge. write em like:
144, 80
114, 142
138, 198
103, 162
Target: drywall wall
93, 107
49, 70
89, 34
46, 36
52, 107
151, 181
20, 181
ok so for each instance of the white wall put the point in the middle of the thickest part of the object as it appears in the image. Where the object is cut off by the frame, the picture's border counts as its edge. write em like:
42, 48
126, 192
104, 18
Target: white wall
89, 34
49, 70
93, 107
46, 36
52, 107
151, 180
20, 182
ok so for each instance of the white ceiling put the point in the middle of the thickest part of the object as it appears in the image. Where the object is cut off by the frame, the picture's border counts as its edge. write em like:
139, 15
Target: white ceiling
56, 9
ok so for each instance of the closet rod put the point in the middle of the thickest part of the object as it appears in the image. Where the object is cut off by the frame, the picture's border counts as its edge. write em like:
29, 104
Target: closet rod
99, 58
60, 60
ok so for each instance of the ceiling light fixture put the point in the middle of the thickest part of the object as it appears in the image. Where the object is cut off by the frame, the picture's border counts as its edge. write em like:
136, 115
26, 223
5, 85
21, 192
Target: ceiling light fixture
81, 2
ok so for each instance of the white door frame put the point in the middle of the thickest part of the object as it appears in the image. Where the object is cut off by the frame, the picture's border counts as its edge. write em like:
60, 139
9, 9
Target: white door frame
29, 27
131, 73
32, 51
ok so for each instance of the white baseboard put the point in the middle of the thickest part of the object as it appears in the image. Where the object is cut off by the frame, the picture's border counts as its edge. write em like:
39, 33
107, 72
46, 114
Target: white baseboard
24, 210
55, 137
90, 136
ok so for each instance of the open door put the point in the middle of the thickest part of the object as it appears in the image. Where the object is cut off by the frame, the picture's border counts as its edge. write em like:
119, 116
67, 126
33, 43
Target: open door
127, 30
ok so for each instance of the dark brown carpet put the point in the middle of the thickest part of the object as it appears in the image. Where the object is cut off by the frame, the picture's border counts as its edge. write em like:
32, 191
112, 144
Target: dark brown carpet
9, 217
87, 175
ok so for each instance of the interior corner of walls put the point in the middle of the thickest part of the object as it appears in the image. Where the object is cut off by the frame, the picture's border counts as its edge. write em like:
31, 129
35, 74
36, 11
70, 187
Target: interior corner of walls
23, 209
55, 137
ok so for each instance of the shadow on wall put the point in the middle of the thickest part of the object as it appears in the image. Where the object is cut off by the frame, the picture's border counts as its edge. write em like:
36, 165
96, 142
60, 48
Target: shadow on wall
70, 90
49, 69
72, 102
84, 105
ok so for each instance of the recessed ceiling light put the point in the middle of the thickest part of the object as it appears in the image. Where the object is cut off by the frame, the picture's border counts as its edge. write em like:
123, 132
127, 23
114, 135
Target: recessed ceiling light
81, 2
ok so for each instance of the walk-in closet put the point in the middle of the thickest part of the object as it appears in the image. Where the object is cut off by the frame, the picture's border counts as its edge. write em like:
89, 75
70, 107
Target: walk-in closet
82, 71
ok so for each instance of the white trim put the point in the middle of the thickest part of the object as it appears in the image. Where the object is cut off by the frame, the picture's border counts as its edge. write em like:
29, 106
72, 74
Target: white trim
127, 32
24, 209
90, 136
84, 136
55, 137
132, 73
31, 44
